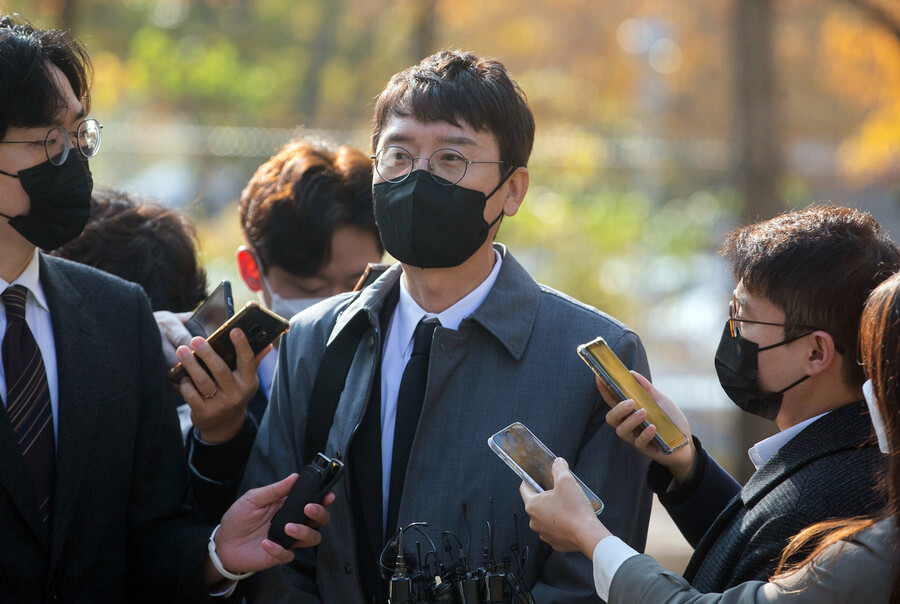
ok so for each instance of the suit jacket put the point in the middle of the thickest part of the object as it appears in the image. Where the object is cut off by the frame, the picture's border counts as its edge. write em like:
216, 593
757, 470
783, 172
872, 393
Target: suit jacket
829, 470
512, 360
860, 569
216, 470
120, 531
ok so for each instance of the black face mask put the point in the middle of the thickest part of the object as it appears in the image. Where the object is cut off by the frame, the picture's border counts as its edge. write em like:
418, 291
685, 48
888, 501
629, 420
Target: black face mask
60, 198
430, 225
736, 366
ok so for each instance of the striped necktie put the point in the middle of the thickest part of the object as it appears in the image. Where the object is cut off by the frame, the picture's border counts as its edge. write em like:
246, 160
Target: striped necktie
28, 398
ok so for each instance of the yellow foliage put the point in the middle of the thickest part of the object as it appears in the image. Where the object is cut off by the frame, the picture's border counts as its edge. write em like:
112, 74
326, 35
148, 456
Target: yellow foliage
862, 66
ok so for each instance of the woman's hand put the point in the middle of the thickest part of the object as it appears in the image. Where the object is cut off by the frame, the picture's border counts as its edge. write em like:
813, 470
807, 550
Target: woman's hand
563, 516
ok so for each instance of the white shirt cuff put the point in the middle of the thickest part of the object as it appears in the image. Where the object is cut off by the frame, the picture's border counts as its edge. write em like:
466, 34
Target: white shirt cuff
609, 554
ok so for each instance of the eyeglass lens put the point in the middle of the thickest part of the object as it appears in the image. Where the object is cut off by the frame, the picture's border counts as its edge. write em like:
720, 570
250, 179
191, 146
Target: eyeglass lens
394, 164
733, 325
58, 143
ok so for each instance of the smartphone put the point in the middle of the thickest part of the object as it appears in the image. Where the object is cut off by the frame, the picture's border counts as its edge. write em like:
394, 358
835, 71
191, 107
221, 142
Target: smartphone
600, 357
532, 460
315, 481
372, 272
260, 325
212, 312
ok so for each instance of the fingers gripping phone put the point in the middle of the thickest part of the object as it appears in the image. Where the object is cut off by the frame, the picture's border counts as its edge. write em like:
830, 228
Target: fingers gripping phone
532, 460
600, 357
260, 325
212, 312
316, 479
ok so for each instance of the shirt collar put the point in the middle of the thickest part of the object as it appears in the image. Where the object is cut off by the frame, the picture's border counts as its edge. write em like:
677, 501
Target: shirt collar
409, 313
762, 451
30, 278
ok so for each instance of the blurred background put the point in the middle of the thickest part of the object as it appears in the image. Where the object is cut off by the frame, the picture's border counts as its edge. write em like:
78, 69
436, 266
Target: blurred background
661, 125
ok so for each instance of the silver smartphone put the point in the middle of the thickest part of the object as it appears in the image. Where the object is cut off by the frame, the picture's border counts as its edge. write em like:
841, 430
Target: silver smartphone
532, 460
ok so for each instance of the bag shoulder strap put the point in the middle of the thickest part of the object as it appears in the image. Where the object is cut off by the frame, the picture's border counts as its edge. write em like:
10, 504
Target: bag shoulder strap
329, 385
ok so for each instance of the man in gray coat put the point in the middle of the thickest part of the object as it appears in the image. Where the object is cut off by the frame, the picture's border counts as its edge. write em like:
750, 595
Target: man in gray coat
454, 343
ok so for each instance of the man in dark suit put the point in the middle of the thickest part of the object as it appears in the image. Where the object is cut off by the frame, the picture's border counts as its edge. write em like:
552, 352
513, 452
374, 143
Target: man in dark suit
788, 353
93, 481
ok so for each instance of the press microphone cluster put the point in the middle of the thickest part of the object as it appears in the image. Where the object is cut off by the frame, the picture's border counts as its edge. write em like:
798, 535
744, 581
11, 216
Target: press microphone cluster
417, 579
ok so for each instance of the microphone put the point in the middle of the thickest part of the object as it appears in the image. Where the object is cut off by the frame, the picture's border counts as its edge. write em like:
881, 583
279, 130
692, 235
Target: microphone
400, 591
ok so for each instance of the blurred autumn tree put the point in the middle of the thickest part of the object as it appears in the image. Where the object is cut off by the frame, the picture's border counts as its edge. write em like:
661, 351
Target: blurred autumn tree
636, 102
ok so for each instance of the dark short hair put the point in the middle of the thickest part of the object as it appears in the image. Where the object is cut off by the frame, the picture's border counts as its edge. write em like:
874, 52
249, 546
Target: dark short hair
29, 96
144, 242
295, 201
454, 87
818, 265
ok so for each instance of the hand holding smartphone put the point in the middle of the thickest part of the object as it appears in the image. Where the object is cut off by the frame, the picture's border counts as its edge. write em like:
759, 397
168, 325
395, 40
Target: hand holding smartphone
532, 460
260, 325
607, 366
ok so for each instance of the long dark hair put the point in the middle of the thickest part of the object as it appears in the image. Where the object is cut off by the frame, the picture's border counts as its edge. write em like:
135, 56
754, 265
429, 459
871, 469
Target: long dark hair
880, 347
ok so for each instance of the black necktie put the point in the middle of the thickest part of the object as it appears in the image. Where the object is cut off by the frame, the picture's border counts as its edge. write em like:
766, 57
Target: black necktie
409, 406
28, 398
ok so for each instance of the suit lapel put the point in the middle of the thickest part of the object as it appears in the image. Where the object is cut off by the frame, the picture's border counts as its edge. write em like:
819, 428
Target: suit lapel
845, 428
74, 329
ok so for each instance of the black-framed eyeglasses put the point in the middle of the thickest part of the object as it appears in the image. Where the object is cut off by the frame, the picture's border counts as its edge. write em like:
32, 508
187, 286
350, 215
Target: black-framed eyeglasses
446, 166
58, 141
734, 322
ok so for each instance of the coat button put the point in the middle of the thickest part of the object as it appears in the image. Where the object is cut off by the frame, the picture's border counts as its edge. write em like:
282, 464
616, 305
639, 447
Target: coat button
348, 569
371, 342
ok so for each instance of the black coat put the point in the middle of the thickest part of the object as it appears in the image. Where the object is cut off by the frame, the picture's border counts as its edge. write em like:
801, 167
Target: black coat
829, 470
120, 530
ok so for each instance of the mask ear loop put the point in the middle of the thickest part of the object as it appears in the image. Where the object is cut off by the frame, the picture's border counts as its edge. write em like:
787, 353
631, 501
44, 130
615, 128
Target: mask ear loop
491, 194
8, 174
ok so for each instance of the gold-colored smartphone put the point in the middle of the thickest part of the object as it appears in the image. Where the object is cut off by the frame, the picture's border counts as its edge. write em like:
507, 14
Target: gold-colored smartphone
532, 460
604, 362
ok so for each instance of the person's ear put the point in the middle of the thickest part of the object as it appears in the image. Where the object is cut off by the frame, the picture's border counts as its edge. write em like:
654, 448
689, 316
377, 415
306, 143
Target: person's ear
821, 353
516, 187
248, 268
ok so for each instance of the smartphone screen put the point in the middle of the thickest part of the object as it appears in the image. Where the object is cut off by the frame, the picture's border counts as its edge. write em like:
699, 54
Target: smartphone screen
604, 362
532, 460
260, 325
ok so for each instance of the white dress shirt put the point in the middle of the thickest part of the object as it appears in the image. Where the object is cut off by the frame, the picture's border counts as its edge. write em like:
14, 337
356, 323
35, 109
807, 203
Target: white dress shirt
763, 451
397, 350
611, 552
37, 316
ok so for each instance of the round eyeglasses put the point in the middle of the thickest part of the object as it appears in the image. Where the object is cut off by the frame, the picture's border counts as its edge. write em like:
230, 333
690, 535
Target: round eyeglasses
446, 166
58, 141
734, 323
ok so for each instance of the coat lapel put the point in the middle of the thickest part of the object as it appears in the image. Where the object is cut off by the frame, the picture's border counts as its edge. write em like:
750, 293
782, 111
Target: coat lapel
850, 422
74, 329
845, 428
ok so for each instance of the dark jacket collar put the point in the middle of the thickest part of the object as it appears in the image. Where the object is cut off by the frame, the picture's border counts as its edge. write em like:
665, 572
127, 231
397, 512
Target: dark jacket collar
846, 428
508, 312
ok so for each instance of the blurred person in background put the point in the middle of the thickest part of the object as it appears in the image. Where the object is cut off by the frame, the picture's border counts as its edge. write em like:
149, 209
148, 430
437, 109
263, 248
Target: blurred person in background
839, 560
309, 233
143, 241
93, 482
788, 353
